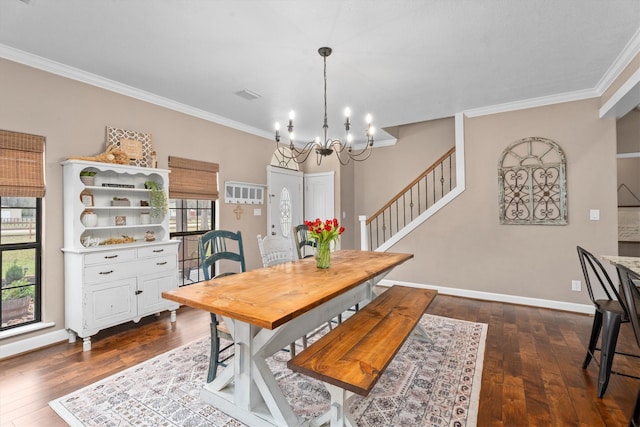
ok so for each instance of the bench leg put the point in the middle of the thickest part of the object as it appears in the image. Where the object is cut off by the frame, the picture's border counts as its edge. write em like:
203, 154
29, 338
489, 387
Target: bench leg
338, 414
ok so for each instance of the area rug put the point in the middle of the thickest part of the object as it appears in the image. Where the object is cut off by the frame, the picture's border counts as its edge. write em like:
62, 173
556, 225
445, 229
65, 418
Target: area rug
434, 383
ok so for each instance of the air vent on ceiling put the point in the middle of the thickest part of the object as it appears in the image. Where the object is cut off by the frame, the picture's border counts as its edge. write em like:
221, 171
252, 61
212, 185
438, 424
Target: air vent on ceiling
248, 94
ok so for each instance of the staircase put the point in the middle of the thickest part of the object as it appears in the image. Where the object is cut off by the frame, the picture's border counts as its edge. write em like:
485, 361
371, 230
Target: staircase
423, 197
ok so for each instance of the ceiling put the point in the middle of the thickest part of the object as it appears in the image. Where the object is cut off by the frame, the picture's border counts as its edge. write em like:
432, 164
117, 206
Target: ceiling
402, 61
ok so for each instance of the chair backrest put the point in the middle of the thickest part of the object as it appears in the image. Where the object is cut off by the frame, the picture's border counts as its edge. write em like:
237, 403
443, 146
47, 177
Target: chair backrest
592, 268
631, 297
301, 237
275, 250
219, 245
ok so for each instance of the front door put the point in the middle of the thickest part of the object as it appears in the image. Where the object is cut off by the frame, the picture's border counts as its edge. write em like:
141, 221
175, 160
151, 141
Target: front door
284, 198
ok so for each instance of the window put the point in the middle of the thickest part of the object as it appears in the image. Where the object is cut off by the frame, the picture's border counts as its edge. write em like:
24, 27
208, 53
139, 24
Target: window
189, 219
193, 192
21, 192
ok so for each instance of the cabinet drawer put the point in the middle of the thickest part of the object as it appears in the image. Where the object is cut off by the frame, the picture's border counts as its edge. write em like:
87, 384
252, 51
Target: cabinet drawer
157, 250
108, 272
160, 263
104, 258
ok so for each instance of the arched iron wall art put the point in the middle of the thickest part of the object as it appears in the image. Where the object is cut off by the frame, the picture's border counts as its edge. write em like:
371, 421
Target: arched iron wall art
533, 183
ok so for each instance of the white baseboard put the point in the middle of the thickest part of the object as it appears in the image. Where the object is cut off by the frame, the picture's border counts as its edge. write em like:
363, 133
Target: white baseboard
28, 344
488, 296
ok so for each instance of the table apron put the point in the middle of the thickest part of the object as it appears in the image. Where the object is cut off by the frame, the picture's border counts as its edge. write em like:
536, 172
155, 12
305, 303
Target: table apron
267, 342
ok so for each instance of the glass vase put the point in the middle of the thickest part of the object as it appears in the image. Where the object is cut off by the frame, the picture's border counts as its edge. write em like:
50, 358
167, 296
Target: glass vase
323, 255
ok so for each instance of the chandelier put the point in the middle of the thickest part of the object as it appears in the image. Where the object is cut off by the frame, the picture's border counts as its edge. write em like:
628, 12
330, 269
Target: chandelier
344, 149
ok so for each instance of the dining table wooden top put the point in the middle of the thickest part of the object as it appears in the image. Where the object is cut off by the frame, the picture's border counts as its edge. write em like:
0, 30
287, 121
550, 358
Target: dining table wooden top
631, 262
269, 297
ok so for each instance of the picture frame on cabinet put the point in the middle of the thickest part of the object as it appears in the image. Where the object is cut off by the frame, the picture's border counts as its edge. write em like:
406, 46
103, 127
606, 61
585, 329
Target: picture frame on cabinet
121, 220
87, 199
137, 145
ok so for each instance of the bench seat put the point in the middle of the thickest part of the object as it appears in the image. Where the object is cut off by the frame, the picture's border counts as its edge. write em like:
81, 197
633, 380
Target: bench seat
353, 356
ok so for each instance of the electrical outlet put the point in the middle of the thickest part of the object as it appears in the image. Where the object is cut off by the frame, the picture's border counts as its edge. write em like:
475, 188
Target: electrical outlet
576, 285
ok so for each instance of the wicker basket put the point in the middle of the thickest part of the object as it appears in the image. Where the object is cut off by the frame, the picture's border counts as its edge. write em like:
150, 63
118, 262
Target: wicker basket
89, 181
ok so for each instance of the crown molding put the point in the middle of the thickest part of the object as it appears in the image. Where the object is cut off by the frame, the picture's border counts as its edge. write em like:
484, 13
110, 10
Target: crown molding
76, 74
625, 57
533, 103
622, 61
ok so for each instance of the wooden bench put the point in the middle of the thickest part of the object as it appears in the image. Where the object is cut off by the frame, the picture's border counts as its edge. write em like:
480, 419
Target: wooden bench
352, 357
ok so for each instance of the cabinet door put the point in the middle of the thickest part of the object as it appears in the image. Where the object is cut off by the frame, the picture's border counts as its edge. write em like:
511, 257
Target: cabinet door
152, 285
110, 303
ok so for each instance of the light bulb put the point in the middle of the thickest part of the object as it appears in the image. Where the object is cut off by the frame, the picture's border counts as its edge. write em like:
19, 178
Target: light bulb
347, 112
317, 140
277, 125
349, 138
292, 115
368, 118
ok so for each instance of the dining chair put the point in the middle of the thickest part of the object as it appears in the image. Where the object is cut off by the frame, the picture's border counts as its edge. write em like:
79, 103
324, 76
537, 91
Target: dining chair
609, 314
629, 281
224, 246
301, 237
275, 250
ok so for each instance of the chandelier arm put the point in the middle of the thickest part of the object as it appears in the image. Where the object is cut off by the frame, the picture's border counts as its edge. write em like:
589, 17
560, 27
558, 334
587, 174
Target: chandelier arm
298, 155
339, 147
356, 157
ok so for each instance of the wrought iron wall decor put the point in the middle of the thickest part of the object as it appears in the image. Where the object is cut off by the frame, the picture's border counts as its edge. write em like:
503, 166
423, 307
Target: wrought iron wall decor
533, 183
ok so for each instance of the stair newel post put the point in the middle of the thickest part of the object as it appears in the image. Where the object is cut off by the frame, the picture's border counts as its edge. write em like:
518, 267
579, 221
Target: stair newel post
364, 238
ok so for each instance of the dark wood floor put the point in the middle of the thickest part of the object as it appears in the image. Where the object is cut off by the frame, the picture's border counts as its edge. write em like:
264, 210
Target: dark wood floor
532, 366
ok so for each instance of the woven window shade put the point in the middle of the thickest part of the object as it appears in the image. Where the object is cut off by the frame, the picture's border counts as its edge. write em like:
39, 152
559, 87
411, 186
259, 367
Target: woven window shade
193, 179
21, 164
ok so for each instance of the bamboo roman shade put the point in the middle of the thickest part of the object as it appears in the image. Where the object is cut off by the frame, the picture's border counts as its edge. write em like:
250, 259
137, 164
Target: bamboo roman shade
193, 179
21, 164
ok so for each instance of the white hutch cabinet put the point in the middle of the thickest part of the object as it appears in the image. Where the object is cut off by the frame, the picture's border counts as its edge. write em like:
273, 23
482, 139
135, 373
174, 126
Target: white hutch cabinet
118, 258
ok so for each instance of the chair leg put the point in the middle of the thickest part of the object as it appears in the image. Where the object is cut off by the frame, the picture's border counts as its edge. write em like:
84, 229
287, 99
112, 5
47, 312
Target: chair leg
215, 349
292, 349
610, 328
595, 333
635, 418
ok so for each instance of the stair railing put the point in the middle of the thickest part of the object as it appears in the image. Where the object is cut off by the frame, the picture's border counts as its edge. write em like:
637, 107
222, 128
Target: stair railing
423, 192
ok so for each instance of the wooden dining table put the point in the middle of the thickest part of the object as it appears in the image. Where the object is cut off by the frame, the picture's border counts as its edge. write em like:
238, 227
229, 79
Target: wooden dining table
631, 262
267, 309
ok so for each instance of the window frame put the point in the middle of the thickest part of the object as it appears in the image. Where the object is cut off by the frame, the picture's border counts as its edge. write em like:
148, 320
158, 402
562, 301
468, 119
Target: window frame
181, 204
36, 245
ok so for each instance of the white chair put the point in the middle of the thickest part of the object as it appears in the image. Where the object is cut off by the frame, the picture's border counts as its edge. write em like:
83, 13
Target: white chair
275, 250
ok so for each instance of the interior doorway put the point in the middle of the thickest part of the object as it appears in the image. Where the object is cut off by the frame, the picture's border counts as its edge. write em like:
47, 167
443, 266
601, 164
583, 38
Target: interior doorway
319, 196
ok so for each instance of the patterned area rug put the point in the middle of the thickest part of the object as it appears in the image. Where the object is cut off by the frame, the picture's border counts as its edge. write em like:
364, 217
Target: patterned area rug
427, 384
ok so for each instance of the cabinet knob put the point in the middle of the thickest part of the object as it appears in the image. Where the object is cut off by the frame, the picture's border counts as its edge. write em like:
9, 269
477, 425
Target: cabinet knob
106, 272
158, 251
161, 263
110, 256
138, 292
